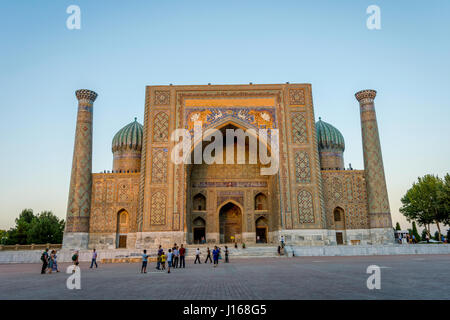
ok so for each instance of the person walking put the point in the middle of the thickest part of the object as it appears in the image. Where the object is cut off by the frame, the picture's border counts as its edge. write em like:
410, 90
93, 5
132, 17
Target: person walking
216, 256
169, 260
55, 263
144, 262
94, 259
208, 255
176, 254
197, 256
226, 254
182, 253
50, 261
75, 259
44, 259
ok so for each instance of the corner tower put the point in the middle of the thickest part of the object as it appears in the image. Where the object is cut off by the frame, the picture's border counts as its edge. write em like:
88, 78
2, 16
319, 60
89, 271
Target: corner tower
378, 201
76, 233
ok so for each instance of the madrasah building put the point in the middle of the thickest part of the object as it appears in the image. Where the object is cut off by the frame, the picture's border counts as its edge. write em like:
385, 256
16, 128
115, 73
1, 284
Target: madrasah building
147, 199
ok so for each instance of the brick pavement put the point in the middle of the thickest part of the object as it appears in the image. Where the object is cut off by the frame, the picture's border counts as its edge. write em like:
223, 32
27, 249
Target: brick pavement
403, 277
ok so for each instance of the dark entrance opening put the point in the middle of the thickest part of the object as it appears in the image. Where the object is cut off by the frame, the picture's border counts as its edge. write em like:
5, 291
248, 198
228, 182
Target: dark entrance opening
199, 234
261, 235
261, 227
339, 238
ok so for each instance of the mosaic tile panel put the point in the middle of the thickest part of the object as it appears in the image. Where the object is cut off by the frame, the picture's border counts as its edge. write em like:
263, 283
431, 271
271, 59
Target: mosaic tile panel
159, 165
299, 129
305, 207
302, 167
158, 209
161, 127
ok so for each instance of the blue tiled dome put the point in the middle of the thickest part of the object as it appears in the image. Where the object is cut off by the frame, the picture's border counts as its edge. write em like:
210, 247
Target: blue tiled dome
129, 137
328, 137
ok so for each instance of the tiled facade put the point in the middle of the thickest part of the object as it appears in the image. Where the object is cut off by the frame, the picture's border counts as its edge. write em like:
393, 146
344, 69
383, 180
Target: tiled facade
155, 201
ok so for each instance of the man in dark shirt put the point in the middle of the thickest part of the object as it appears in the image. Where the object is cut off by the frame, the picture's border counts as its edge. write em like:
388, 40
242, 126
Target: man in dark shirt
208, 255
182, 253
44, 259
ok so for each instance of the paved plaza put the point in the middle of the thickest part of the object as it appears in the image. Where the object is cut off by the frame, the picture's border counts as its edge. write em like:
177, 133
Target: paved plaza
402, 277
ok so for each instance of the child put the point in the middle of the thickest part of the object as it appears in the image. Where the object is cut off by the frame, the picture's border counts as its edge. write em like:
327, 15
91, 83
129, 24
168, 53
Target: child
163, 261
144, 262
169, 260
158, 262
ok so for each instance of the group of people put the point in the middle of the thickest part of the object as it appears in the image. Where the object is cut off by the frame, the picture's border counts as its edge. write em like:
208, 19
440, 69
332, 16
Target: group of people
216, 254
175, 257
49, 262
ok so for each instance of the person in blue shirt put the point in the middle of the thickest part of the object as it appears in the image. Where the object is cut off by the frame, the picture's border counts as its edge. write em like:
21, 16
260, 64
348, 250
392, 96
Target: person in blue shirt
216, 256
144, 262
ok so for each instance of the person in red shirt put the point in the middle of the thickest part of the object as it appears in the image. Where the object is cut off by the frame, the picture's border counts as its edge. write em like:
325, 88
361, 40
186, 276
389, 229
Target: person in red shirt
182, 252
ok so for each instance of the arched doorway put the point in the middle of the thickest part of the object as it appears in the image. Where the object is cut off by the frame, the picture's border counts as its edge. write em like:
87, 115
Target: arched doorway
339, 224
230, 223
199, 229
261, 230
122, 228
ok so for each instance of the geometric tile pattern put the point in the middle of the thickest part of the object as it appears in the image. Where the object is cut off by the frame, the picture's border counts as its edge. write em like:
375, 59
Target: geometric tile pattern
299, 130
161, 127
305, 207
297, 96
162, 98
302, 168
158, 209
159, 165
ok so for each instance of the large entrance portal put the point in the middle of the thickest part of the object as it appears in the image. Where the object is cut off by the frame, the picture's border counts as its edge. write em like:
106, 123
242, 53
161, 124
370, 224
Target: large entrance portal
230, 223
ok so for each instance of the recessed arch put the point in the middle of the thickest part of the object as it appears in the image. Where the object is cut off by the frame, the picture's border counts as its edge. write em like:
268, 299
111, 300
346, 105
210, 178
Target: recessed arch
199, 202
123, 222
260, 201
230, 222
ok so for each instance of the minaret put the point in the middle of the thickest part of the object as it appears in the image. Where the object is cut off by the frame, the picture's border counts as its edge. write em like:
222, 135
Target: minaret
76, 234
378, 201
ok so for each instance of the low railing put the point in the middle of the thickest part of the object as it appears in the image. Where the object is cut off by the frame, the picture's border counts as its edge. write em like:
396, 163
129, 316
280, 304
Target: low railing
29, 247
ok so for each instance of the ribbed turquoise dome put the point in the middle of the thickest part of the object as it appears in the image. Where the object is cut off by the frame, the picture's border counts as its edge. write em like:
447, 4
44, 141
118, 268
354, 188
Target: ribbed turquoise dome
328, 137
129, 137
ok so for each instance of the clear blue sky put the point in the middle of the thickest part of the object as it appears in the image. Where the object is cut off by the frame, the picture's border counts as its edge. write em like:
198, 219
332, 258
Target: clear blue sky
125, 45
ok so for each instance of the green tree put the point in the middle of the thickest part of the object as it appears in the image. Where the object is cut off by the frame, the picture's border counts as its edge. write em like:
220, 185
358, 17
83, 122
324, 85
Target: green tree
397, 226
424, 234
414, 232
424, 202
444, 197
18, 234
3, 236
46, 228
437, 236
